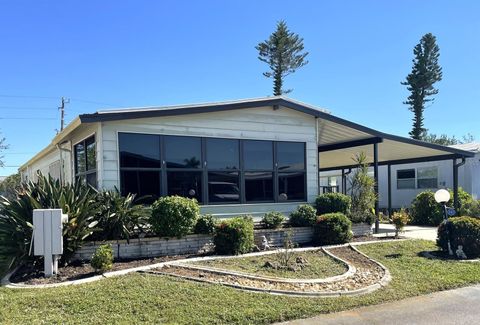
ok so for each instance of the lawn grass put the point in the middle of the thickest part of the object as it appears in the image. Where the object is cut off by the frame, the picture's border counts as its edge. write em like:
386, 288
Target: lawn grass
320, 265
140, 298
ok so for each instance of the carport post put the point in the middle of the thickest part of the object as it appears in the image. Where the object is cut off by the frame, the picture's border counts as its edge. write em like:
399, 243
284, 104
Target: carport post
455, 181
375, 176
389, 178
343, 182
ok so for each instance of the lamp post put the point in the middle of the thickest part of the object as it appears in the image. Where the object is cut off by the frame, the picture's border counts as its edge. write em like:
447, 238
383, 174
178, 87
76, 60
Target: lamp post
442, 196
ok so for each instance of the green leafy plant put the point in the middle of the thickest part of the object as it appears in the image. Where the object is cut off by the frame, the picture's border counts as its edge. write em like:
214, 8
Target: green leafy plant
174, 216
400, 220
234, 236
77, 201
333, 202
463, 231
362, 187
425, 210
332, 228
205, 224
304, 216
119, 217
102, 259
273, 220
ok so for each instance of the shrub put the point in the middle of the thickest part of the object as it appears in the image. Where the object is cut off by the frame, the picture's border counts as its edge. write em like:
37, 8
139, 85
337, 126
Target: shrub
234, 236
400, 220
425, 210
333, 202
119, 217
273, 220
362, 187
304, 216
174, 216
332, 228
463, 231
205, 224
75, 200
102, 259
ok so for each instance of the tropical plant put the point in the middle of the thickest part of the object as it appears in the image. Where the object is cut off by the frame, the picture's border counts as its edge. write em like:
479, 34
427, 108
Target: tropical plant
77, 201
400, 220
362, 187
304, 216
119, 217
273, 220
102, 259
10, 185
174, 216
283, 52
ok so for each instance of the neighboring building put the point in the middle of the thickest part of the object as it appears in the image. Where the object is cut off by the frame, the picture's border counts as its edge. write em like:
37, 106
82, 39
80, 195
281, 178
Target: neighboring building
407, 180
239, 157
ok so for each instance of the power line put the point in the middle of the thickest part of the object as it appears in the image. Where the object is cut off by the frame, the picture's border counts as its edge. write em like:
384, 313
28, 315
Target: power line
22, 96
28, 118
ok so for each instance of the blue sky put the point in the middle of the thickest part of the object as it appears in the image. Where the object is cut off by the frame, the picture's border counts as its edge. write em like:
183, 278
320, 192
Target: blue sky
105, 54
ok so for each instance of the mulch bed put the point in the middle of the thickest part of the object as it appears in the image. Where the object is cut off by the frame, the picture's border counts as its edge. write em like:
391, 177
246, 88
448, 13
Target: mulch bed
368, 273
79, 270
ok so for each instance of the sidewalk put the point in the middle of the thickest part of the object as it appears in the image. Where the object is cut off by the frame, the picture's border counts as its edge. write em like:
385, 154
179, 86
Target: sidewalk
458, 306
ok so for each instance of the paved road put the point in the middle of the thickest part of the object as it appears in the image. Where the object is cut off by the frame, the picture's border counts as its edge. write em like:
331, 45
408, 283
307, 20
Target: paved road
453, 307
429, 233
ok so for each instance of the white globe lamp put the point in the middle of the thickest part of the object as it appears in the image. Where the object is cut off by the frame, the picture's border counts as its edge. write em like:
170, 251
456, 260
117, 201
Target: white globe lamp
442, 196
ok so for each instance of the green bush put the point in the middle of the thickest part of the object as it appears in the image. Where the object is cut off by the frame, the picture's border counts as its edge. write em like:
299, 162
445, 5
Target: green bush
205, 224
463, 231
77, 201
102, 259
273, 220
119, 217
234, 236
333, 202
304, 216
400, 220
425, 210
174, 216
332, 228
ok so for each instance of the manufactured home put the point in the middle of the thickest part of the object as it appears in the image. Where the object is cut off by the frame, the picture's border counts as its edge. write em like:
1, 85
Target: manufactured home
237, 157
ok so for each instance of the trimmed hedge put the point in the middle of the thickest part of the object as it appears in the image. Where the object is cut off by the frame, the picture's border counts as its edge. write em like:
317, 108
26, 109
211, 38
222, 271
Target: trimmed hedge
333, 202
205, 224
234, 236
425, 210
174, 216
463, 231
273, 220
304, 216
332, 228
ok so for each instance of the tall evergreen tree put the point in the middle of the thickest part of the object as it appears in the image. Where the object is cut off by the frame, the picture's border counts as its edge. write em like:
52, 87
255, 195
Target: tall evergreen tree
283, 52
425, 73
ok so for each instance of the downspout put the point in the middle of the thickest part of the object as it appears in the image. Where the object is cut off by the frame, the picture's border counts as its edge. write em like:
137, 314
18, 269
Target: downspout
318, 156
344, 180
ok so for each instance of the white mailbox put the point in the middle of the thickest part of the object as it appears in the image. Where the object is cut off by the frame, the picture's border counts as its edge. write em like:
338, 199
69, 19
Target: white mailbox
47, 237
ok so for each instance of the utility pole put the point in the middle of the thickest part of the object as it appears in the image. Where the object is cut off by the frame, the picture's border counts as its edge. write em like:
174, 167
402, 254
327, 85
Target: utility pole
62, 112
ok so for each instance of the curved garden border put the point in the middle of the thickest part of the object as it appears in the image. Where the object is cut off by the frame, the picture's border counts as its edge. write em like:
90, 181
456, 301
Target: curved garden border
6, 280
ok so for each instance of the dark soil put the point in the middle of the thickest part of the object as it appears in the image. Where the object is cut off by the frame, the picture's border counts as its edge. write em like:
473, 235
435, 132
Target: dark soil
79, 270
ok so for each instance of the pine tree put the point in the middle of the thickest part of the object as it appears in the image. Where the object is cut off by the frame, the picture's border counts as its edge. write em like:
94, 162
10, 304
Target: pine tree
425, 73
283, 52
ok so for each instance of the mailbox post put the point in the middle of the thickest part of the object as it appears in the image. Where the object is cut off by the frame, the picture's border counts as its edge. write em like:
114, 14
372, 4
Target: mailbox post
48, 238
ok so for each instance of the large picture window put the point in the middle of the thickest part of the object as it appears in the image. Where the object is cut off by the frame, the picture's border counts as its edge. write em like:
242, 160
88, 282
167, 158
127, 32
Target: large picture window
212, 170
86, 161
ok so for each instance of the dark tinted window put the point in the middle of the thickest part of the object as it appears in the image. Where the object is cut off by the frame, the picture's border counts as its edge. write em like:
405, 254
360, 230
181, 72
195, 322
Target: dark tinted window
222, 154
258, 155
139, 150
406, 173
186, 184
183, 152
141, 183
91, 154
258, 186
223, 187
80, 161
291, 186
291, 155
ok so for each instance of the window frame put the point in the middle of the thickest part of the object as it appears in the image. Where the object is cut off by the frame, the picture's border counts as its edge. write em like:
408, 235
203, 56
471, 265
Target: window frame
414, 178
204, 170
84, 175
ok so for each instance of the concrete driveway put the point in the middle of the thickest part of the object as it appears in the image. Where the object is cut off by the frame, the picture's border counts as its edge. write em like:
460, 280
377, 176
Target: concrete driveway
459, 306
417, 232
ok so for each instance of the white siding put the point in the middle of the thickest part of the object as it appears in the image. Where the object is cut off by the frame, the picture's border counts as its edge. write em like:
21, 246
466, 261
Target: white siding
262, 123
